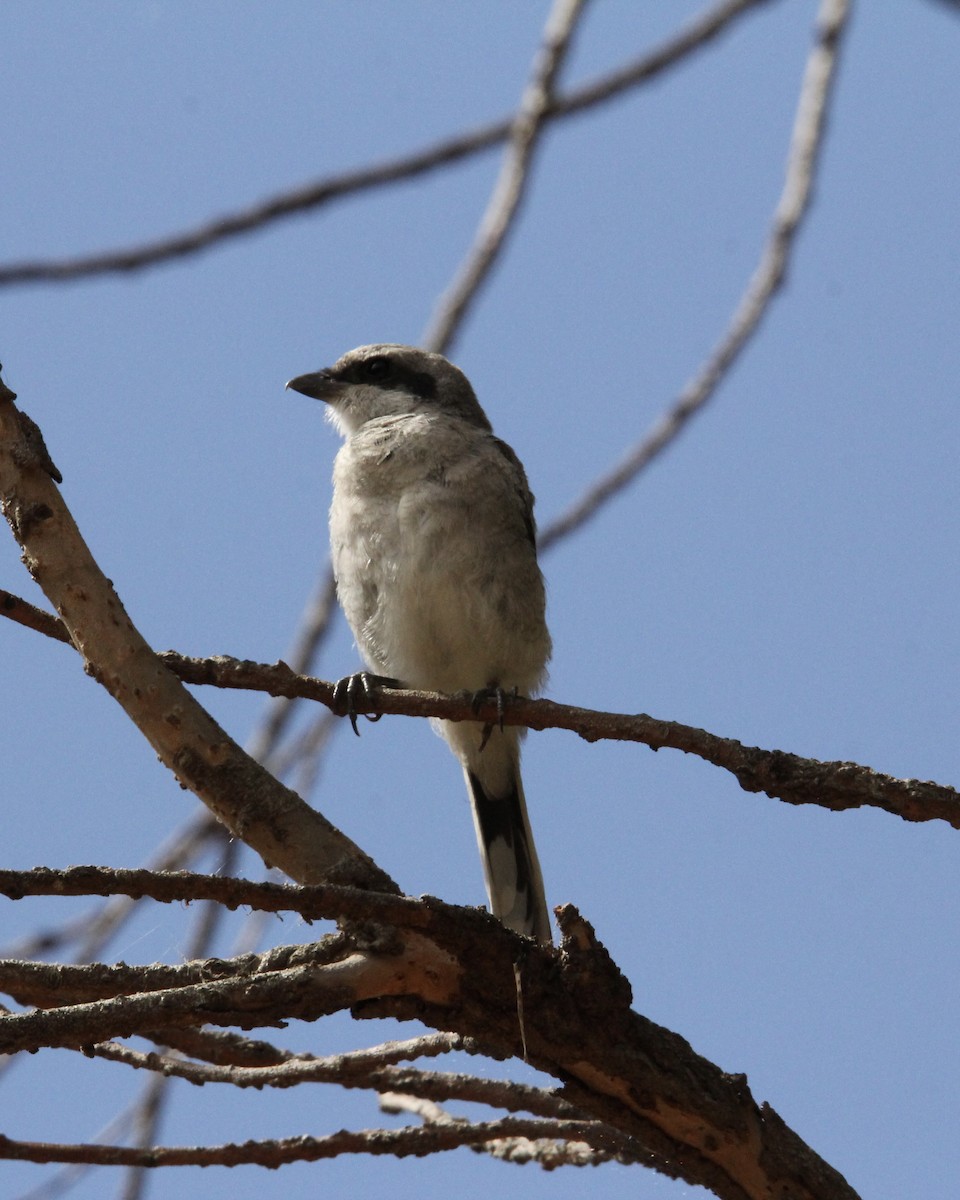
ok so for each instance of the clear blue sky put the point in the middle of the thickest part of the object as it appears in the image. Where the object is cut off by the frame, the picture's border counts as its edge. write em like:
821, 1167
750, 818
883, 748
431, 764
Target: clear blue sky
786, 574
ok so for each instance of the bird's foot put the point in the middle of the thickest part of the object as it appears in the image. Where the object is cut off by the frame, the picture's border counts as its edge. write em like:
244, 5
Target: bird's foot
493, 693
353, 691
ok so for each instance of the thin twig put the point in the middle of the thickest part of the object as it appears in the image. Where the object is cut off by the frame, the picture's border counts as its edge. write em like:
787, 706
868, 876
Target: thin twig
146, 1114
511, 185
69, 1175
646, 67
548, 1152
777, 773
324, 902
149, 1108
310, 747
806, 145
222, 1048
411, 1140
93, 931
37, 619
219, 1046
306, 751
351, 1071
315, 625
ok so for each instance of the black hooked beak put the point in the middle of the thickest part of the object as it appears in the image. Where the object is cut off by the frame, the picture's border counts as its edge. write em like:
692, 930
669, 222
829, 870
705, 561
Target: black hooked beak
319, 385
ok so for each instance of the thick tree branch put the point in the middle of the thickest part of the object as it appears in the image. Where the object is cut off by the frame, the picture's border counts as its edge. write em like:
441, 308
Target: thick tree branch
646, 67
227, 992
280, 826
460, 970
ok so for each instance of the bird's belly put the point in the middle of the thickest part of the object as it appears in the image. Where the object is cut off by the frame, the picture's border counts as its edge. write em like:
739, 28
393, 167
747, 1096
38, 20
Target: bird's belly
437, 638
432, 607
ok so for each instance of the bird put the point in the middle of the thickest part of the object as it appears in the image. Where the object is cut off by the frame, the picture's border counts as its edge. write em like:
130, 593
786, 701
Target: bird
433, 544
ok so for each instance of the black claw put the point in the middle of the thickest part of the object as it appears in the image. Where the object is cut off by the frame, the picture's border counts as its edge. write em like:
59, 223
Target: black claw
488, 695
354, 691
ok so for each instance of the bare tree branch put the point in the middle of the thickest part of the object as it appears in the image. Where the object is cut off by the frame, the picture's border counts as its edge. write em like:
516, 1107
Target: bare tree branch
70, 1174
25, 613
693, 1121
777, 773
315, 625
547, 1152
317, 903
270, 818
224, 1048
148, 1110
307, 752
400, 1143
225, 993
508, 192
806, 144
145, 1116
92, 932
695, 36
364, 1069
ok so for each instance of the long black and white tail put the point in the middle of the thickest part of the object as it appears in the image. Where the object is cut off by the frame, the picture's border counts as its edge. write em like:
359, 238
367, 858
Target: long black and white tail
509, 857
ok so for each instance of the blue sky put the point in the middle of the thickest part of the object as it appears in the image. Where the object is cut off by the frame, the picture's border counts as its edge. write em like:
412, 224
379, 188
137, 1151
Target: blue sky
786, 574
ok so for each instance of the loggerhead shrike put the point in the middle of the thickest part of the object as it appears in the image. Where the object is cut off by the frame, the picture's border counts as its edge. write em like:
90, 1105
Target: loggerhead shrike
434, 552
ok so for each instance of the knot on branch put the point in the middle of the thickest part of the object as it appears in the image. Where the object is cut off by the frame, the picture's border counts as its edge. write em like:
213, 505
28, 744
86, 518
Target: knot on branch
586, 963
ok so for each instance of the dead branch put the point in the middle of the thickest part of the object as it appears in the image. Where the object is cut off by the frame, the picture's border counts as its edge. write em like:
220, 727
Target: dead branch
648, 66
779, 774
253, 805
460, 970
804, 156
511, 184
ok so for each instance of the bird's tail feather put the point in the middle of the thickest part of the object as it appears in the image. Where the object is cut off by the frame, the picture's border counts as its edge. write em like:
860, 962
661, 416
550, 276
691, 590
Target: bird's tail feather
510, 864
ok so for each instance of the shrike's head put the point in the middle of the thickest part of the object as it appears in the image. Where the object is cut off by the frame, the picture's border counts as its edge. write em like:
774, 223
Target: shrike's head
387, 379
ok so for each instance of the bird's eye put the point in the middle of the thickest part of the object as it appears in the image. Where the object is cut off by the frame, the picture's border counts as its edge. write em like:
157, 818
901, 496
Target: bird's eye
375, 368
